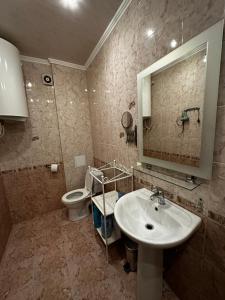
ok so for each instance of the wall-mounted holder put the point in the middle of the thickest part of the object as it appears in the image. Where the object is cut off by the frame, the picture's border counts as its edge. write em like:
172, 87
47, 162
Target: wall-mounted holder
184, 118
187, 182
53, 167
127, 123
132, 136
131, 104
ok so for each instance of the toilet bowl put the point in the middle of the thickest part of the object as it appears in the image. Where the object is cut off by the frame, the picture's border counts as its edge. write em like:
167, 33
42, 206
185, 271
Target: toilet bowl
77, 201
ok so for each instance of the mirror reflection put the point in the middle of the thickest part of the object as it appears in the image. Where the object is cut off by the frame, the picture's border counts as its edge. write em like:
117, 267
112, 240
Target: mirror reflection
172, 128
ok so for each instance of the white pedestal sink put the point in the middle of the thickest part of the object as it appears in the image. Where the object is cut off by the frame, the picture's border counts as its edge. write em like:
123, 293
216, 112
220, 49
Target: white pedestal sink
154, 228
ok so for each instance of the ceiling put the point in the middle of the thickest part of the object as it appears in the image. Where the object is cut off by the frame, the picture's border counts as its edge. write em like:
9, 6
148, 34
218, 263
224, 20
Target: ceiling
47, 29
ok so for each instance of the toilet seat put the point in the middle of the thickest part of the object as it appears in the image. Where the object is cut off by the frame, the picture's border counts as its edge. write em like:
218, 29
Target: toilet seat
77, 201
75, 196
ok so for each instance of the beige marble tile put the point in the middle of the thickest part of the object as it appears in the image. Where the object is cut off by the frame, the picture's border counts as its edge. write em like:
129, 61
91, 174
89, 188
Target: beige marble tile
201, 14
36, 191
219, 148
37, 141
113, 75
128, 51
68, 262
215, 245
111, 81
15, 276
5, 219
56, 286
217, 201
214, 289
199, 194
185, 273
33, 143
24, 293
74, 121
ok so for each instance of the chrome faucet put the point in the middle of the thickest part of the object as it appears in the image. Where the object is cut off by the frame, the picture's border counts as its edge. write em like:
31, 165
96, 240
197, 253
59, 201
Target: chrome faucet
155, 191
158, 194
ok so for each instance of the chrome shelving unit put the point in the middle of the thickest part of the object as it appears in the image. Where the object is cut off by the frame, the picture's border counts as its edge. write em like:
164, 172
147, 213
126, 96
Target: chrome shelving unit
106, 201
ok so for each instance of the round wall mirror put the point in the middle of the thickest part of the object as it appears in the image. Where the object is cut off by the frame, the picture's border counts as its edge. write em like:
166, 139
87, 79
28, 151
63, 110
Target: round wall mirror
127, 120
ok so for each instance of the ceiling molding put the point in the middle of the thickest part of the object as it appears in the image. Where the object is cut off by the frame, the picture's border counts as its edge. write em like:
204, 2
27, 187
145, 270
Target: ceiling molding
51, 61
66, 64
120, 12
34, 60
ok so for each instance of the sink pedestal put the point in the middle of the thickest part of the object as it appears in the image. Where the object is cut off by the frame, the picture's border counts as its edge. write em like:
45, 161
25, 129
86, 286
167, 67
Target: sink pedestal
149, 274
154, 231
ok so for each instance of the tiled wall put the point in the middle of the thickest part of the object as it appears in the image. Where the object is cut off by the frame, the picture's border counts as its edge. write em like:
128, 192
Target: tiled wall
74, 121
36, 141
5, 219
197, 271
184, 84
194, 270
28, 147
46, 137
33, 191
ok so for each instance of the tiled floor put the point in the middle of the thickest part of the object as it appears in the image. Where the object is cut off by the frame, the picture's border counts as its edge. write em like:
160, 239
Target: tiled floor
54, 259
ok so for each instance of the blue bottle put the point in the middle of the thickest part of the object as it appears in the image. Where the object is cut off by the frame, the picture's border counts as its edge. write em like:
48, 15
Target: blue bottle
96, 216
109, 226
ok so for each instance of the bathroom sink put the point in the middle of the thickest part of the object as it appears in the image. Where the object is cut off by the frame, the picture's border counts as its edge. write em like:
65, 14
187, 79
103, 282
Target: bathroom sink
160, 226
154, 227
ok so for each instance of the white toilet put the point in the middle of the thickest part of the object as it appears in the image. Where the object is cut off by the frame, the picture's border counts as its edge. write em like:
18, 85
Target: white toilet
77, 201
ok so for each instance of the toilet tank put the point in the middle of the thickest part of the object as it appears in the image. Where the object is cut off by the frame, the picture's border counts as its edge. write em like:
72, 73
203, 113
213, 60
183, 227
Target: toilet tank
13, 104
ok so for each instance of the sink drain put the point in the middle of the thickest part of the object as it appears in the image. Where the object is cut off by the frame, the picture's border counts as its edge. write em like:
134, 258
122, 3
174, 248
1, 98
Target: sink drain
149, 226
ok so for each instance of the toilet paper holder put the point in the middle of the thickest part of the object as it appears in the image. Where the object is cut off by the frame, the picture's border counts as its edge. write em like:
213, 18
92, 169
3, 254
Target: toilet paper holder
53, 167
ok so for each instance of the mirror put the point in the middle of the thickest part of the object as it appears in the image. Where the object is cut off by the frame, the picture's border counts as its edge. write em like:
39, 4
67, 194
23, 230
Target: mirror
127, 120
173, 131
177, 106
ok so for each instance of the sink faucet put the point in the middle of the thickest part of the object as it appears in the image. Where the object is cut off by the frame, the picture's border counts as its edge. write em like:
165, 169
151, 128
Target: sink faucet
158, 194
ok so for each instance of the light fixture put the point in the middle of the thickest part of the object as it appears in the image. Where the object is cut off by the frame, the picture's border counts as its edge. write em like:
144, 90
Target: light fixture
29, 85
70, 4
173, 44
205, 59
150, 33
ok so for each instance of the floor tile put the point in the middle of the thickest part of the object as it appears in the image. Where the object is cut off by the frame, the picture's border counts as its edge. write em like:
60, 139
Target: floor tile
50, 258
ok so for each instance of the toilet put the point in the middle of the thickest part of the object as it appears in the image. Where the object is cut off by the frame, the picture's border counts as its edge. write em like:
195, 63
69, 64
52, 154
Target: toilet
77, 201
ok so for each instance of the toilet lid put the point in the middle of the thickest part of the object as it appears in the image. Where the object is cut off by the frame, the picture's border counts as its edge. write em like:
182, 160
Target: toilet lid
75, 195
